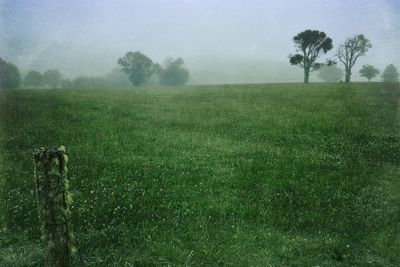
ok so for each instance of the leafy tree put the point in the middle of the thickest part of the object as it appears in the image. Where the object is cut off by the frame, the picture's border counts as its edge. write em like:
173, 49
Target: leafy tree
33, 78
368, 72
350, 51
10, 77
173, 72
137, 66
52, 78
330, 73
310, 44
390, 74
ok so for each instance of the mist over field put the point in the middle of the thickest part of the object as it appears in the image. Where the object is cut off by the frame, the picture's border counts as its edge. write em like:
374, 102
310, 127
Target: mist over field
199, 133
220, 41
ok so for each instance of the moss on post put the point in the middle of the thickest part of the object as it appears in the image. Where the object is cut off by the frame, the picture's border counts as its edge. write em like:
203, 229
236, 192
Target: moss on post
50, 169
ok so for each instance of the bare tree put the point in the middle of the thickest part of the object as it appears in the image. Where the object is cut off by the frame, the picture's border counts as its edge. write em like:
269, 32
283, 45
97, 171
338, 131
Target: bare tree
350, 51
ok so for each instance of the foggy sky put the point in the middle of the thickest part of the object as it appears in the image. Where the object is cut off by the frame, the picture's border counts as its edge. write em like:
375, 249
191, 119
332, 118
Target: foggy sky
220, 40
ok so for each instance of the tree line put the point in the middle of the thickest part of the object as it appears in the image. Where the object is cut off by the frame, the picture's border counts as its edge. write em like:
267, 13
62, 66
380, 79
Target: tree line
138, 69
135, 68
312, 44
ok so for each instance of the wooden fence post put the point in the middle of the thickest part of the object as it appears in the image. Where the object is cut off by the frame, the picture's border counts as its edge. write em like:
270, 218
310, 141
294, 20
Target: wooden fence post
50, 169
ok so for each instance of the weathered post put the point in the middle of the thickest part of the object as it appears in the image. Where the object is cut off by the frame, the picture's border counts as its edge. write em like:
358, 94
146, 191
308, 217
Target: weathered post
50, 169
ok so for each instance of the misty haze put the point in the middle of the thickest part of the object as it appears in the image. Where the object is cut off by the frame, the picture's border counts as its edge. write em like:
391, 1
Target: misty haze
199, 133
226, 42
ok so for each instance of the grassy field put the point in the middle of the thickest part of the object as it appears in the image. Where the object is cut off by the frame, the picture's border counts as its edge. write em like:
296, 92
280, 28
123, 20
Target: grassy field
240, 175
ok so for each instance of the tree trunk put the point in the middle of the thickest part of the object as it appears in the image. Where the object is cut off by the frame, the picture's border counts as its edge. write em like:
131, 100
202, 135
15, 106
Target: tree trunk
53, 201
347, 76
306, 75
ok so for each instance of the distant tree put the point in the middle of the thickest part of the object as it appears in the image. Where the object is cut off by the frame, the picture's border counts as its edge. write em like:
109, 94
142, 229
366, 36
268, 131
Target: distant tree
82, 82
390, 74
350, 51
368, 72
33, 78
52, 78
173, 72
330, 73
137, 66
311, 44
10, 77
66, 83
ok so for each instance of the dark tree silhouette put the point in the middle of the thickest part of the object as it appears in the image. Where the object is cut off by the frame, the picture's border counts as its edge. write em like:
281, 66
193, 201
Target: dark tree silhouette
137, 66
310, 44
368, 72
10, 77
350, 51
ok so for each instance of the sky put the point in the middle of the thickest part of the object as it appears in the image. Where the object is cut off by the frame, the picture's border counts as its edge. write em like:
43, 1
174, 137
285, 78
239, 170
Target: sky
221, 41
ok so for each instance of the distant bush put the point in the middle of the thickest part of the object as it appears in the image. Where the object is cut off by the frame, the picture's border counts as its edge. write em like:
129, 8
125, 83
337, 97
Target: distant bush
116, 78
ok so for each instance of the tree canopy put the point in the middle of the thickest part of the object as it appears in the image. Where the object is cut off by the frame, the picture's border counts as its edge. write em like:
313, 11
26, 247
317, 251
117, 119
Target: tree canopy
350, 51
368, 72
33, 78
52, 78
137, 66
173, 72
10, 77
310, 44
390, 74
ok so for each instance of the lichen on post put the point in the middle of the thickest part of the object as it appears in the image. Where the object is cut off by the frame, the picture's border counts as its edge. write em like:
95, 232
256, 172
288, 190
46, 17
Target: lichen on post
50, 171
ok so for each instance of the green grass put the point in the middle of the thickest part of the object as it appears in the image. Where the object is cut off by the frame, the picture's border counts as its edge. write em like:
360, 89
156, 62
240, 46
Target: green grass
240, 175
